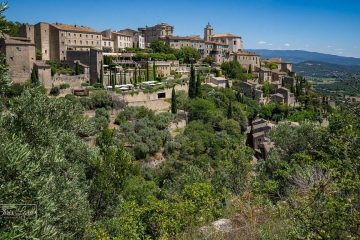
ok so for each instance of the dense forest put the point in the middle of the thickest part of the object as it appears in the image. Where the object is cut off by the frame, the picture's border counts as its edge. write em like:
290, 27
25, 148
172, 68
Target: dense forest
307, 188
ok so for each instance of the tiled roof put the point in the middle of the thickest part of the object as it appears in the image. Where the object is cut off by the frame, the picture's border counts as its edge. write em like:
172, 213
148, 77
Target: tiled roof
225, 35
245, 53
17, 41
73, 28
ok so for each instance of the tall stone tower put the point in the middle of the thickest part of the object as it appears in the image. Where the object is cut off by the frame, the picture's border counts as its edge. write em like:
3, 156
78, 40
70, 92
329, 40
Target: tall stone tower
208, 31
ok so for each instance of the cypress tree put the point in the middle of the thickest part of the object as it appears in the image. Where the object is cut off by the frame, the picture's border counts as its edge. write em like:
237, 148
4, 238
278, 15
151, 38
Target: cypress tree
113, 82
198, 86
250, 70
229, 111
173, 101
77, 68
135, 76
34, 77
147, 71
227, 84
192, 83
101, 80
110, 77
154, 70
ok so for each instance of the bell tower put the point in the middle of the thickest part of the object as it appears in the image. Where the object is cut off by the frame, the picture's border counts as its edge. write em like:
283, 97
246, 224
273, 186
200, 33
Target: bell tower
208, 32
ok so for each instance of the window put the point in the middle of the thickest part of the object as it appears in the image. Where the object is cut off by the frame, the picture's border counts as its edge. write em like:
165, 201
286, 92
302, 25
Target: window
161, 95
74, 34
80, 35
235, 42
45, 51
80, 42
69, 41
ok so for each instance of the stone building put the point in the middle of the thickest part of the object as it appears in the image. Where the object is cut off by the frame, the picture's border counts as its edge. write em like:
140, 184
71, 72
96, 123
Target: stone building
20, 57
282, 65
259, 129
156, 32
92, 58
138, 40
289, 97
44, 73
265, 75
218, 51
233, 42
107, 44
65, 38
123, 39
277, 98
247, 59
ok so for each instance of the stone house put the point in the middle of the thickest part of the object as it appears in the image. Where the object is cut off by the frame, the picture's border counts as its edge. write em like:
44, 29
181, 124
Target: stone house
20, 57
247, 59
289, 97
156, 32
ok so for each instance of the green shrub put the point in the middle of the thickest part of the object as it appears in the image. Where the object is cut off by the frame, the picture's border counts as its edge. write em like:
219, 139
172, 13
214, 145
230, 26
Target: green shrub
64, 85
55, 91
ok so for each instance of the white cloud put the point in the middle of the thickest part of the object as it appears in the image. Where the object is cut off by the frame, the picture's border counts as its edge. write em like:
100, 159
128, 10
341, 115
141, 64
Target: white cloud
339, 49
270, 44
287, 44
261, 42
329, 46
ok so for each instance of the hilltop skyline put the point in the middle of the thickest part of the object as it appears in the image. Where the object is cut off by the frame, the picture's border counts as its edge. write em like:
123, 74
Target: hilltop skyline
321, 26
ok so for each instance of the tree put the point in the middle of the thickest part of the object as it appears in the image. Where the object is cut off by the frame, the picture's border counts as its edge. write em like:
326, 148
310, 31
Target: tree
192, 82
208, 60
77, 68
154, 70
147, 71
173, 101
101, 80
135, 76
5, 81
38, 54
250, 69
188, 54
34, 77
198, 86
229, 113
159, 46
233, 70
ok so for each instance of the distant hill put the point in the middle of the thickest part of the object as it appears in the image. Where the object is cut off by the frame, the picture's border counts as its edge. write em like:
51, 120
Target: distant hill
324, 69
297, 56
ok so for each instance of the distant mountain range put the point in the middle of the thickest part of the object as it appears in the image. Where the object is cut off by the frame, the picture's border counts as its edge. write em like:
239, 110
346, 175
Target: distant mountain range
324, 69
297, 56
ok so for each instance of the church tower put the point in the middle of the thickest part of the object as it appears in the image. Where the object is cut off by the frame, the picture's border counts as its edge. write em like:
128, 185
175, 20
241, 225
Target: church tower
208, 32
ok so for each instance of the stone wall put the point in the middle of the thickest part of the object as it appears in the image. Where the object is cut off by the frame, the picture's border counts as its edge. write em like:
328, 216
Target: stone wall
73, 81
146, 97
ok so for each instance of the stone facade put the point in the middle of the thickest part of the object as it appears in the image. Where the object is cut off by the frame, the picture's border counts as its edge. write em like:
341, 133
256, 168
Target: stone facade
54, 40
156, 32
247, 59
218, 51
44, 73
289, 97
92, 58
20, 57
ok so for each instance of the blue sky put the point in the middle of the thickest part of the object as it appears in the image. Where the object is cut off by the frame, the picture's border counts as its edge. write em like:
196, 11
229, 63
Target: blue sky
328, 26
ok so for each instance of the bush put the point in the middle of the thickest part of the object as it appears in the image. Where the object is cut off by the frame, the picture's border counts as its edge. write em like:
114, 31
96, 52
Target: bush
64, 85
101, 99
98, 85
16, 89
55, 91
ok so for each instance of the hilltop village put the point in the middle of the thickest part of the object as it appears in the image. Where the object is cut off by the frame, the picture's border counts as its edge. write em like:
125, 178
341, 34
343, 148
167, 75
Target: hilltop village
140, 67
80, 56
142, 134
